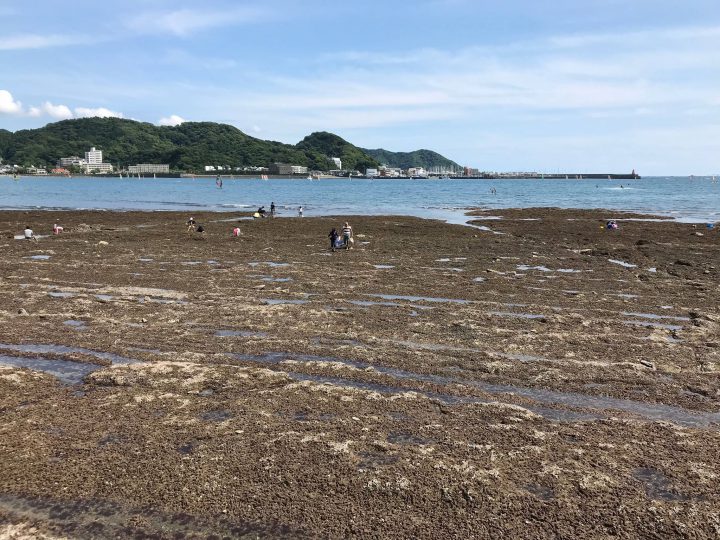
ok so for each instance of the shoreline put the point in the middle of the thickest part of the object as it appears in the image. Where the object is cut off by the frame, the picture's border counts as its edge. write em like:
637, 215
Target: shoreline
434, 379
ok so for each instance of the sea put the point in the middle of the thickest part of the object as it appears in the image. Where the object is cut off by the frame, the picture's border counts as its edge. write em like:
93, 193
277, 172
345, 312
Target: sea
686, 199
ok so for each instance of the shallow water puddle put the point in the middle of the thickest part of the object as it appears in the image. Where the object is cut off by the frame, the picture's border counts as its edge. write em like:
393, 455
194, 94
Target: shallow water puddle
516, 315
407, 439
368, 303
653, 325
269, 263
420, 298
622, 263
66, 371
104, 297
650, 411
61, 294
654, 316
384, 266
544, 493
240, 333
657, 485
103, 519
77, 325
280, 301
524, 268
38, 257
63, 349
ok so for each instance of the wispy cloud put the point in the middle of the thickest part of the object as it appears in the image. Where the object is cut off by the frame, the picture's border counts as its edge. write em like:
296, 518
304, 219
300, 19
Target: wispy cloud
58, 112
100, 112
183, 22
172, 120
37, 41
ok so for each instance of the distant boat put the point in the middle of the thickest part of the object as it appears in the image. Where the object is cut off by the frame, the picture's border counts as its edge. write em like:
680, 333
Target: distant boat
154, 175
309, 177
609, 177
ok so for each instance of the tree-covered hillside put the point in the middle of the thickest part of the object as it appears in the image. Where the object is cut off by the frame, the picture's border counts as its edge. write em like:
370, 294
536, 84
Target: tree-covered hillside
419, 158
5, 137
190, 146
328, 144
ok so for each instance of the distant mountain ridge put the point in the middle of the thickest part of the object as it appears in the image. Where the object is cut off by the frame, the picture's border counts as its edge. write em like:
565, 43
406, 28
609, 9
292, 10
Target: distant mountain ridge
404, 160
189, 146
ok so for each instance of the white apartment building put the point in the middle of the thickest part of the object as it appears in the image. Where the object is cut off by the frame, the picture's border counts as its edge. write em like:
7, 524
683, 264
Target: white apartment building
93, 157
337, 161
149, 168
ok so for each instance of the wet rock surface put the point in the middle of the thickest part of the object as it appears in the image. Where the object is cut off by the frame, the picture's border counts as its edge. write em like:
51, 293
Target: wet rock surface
384, 391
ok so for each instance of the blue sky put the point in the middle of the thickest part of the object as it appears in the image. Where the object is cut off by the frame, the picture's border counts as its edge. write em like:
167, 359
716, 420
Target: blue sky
568, 85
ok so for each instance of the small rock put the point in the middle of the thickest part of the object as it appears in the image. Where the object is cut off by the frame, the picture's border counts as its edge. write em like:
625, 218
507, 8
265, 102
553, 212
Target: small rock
143, 320
647, 364
103, 243
699, 234
22, 311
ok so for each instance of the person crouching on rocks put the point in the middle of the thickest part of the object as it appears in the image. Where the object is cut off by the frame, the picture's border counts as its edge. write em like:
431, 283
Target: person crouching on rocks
29, 234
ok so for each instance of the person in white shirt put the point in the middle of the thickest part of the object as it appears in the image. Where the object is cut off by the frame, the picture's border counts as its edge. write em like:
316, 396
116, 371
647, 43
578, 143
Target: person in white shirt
347, 234
29, 234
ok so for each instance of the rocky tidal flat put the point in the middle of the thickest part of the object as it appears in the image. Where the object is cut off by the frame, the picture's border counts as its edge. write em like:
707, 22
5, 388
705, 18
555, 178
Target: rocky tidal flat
530, 375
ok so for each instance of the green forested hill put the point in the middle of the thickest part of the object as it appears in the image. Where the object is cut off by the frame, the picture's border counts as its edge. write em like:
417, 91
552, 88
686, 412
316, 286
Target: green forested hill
189, 146
5, 137
331, 145
419, 158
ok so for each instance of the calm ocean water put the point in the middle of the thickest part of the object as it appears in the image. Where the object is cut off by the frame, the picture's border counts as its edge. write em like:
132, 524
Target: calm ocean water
686, 199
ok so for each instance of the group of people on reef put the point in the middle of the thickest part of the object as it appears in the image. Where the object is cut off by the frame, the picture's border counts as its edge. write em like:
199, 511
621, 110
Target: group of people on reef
343, 239
29, 234
262, 213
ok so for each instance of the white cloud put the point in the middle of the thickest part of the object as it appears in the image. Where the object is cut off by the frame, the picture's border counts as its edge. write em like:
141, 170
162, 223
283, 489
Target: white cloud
59, 112
183, 22
172, 120
37, 41
100, 112
8, 104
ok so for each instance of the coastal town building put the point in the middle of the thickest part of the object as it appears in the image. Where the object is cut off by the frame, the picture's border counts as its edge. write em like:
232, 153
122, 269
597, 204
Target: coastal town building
337, 161
94, 162
36, 171
284, 168
71, 161
149, 168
